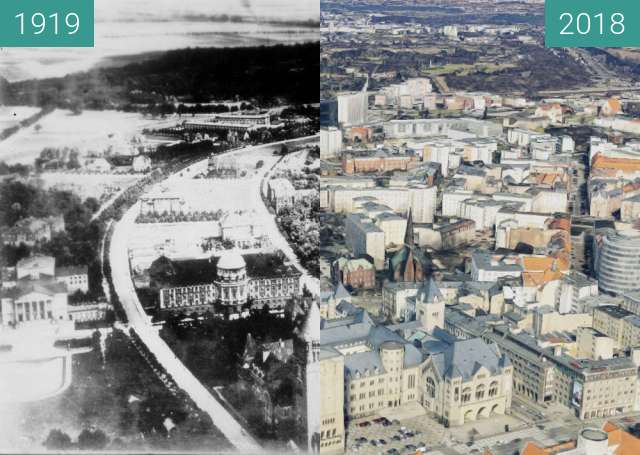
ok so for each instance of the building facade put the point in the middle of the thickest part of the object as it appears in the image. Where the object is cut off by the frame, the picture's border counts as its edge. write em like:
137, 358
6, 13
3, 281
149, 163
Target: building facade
230, 284
618, 262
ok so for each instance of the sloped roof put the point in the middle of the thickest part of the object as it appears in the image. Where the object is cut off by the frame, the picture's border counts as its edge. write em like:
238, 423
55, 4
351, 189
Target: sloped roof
465, 357
71, 270
360, 329
627, 444
341, 292
429, 292
601, 161
46, 286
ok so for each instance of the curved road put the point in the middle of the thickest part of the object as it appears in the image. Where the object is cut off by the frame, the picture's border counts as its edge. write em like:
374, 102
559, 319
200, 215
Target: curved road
141, 323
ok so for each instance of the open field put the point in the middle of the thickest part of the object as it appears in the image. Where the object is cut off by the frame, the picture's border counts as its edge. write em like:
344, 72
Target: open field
87, 184
12, 115
122, 396
90, 131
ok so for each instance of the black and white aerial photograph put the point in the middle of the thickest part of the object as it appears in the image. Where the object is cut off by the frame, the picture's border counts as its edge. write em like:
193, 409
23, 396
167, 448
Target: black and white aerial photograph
159, 232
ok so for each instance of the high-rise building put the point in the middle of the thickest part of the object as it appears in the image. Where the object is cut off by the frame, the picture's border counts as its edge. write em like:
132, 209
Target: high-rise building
330, 142
329, 113
365, 239
353, 107
575, 286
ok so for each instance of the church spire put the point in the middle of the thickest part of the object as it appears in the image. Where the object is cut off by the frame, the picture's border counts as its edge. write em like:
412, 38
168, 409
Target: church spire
408, 235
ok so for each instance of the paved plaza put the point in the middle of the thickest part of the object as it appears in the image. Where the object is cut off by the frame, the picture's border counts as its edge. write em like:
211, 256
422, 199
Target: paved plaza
546, 426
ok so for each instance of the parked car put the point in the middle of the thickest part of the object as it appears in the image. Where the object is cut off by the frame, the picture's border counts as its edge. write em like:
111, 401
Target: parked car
382, 442
411, 447
366, 423
422, 447
393, 451
396, 437
361, 440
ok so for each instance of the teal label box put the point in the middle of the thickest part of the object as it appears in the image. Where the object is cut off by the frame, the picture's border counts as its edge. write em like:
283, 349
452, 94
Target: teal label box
592, 23
46, 23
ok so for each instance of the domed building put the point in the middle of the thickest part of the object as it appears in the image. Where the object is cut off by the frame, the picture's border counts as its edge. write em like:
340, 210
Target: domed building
228, 284
231, 281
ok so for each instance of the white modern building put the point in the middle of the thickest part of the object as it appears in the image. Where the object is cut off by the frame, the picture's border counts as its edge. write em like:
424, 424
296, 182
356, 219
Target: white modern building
330, 142
618, 262
352, 108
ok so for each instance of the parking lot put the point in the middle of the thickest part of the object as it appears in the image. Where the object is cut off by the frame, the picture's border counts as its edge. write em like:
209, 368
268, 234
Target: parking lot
391, 437
408, 434
409, 428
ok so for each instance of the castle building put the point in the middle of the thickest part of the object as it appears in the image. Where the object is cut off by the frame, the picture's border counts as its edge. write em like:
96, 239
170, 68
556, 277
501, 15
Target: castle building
388, 367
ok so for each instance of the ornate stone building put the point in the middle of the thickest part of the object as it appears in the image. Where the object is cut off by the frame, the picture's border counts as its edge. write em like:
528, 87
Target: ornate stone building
387, 367
228, 284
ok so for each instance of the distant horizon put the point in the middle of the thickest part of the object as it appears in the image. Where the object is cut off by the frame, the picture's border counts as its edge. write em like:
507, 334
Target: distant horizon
127, 59
132, 27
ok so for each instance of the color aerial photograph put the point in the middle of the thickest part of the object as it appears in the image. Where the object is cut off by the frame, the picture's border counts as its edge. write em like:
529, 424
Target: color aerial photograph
479, 233
159, 232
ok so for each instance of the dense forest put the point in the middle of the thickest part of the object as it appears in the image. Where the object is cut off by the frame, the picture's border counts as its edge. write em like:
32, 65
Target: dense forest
286, 73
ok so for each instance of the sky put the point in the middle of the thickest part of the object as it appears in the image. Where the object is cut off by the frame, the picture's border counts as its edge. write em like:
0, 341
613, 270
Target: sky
134, 26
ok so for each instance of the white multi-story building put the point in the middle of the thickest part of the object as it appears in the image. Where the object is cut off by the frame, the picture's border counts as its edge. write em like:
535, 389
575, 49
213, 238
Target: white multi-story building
480, 149
454, 127
421, 199
482, 211
452, 198
394, 227
413, 90
422, 202
365, 238
353, 108
575, 286
522, 137
330, 142
445, 152
618, 262
395, 296
489, 267
549, 201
